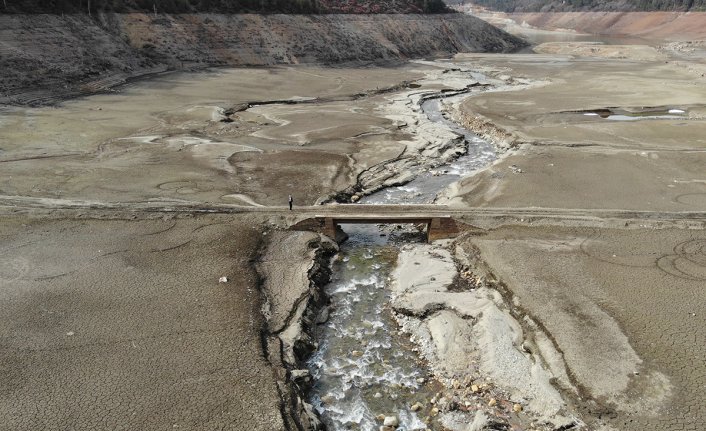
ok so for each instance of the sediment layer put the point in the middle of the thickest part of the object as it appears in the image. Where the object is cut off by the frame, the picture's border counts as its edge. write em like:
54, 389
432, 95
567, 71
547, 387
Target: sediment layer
648, 25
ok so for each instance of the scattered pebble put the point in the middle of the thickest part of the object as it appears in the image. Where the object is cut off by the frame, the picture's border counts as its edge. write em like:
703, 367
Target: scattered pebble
391, 421
223, 279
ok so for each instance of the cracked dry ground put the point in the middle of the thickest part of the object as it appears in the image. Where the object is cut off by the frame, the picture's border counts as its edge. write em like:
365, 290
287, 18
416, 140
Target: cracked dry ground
123, 325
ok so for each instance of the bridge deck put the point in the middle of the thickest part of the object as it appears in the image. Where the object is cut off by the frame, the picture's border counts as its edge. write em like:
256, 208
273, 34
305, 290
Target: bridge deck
379, 218
438, 225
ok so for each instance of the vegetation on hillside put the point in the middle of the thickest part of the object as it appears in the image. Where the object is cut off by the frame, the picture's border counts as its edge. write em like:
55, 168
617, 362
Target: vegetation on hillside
592, 5
224, 6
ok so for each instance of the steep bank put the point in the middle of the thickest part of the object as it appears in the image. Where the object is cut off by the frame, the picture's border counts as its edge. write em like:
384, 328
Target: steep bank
49, 57
293, 268
648, 25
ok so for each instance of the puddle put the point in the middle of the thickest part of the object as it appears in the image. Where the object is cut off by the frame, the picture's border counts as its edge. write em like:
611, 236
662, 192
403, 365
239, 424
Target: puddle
630, 115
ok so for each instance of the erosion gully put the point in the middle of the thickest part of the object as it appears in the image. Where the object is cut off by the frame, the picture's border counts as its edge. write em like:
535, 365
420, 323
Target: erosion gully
364, 367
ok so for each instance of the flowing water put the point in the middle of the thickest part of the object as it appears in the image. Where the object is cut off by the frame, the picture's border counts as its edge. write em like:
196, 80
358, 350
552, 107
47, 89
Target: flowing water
364, 367
424, 188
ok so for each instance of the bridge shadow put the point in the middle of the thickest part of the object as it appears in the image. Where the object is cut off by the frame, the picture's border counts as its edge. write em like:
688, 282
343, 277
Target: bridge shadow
436, 227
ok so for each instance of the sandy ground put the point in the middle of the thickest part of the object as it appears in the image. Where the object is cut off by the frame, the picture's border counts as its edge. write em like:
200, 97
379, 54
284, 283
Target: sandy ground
625, 308
621, 305
116, 324
465, 332
164, 139
572, 160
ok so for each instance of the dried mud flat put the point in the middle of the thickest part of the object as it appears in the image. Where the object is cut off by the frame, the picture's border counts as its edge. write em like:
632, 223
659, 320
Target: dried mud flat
620, 300
117, 319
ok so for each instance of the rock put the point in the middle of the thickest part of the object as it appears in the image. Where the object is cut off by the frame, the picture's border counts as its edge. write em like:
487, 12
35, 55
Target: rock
454, 403
299, 374
380, 417
416, 407
391, 421
223, 280
323, 315
516, 408
492, 402
356, 353
479, 422
355, 198
377, 395
475, 388
434, 411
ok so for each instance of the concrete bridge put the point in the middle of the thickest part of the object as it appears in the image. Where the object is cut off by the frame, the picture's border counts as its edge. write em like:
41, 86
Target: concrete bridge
438, 226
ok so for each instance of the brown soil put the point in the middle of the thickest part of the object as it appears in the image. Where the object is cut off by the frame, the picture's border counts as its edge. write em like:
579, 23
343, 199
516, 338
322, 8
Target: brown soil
124, 325
648, 25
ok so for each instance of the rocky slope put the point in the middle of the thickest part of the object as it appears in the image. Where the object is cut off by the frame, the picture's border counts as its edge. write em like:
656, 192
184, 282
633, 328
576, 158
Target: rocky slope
224, 6
48, 57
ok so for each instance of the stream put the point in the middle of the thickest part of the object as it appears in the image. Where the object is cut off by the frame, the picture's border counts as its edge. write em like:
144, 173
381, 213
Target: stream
365, 367
426, 186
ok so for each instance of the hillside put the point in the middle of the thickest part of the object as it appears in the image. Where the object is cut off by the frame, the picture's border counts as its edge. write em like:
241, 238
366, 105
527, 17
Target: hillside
44, 58
592, 5
223, 6
658, 27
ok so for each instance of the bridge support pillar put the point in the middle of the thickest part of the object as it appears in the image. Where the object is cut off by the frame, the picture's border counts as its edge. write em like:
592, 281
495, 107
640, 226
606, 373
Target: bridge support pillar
433, 228
441, 228
330, 228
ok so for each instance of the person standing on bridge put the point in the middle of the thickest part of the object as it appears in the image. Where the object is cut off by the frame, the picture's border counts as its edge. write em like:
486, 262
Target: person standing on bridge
291, 201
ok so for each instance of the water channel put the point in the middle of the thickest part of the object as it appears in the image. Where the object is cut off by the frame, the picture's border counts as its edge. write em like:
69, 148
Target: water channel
364, 367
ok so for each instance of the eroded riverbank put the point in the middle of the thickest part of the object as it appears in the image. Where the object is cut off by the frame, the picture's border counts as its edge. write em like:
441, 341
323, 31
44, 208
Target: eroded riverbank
366, 375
